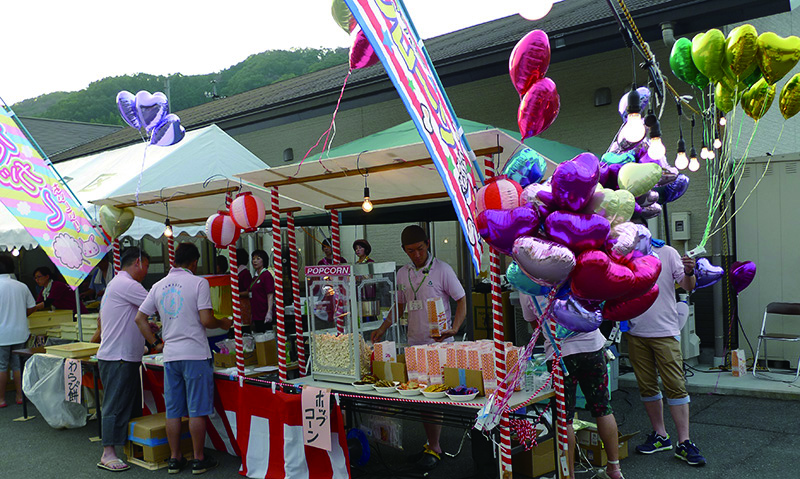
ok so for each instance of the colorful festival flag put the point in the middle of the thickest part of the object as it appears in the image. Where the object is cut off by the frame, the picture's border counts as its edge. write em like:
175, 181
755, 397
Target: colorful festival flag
33, 192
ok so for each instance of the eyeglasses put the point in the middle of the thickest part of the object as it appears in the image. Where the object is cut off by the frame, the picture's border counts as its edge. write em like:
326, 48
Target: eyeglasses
38, 276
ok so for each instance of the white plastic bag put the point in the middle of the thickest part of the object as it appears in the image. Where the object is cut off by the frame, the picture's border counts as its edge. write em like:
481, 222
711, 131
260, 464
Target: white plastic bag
43, 384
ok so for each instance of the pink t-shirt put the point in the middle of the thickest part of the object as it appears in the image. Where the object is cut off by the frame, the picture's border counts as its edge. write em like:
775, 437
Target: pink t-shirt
120, 338
178, 298
661, 320
435, 280
580, 343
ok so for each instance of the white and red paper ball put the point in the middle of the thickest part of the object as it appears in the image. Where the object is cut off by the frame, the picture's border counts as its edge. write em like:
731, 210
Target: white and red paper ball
221, 229
248, 211
499, 193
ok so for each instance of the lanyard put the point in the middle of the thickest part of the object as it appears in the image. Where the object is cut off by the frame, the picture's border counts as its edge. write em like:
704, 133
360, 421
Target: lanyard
427, 271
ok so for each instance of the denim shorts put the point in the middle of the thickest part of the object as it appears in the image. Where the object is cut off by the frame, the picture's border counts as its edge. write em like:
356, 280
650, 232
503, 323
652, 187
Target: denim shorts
189, 388
8, 360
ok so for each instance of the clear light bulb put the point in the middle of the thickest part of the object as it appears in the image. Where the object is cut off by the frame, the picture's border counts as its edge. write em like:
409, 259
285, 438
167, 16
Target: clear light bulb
167, 229
656, 149
694, 165
711, 155
717, 143
366, 206
722, 121
704, 152
15, 252
633, 131
681, 161
534, 9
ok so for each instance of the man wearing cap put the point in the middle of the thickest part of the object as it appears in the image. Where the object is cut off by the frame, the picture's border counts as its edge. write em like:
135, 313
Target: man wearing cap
423, 279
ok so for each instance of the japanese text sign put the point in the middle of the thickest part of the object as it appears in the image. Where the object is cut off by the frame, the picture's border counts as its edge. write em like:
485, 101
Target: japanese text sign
316, 415
32, 192
73, 380
392, 35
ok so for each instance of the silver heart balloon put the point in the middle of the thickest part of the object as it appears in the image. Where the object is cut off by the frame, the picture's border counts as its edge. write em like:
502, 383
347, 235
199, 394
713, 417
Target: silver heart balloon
115, 221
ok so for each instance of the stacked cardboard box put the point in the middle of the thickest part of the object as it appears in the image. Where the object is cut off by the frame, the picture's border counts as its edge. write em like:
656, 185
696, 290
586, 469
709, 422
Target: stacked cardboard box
147, 439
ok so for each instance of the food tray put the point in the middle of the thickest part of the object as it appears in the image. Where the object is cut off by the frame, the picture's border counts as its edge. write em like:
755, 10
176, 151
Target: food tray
73, 350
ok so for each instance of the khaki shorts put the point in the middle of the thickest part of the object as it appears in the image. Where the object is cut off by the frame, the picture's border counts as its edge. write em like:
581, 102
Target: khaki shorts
652, 357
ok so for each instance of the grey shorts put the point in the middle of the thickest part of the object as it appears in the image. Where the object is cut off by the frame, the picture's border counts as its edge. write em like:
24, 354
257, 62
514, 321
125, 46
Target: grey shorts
7, 359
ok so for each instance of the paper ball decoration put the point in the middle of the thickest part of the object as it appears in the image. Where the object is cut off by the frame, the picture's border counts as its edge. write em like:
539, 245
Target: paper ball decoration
500, 193
221, 229
248, 211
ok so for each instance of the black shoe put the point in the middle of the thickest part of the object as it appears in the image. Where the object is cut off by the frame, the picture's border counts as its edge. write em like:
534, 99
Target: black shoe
175, 466
428, 461
206, 464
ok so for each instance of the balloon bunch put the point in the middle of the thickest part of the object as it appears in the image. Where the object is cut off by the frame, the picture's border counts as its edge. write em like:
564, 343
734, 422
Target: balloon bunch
362, 54
150, 113
539, 100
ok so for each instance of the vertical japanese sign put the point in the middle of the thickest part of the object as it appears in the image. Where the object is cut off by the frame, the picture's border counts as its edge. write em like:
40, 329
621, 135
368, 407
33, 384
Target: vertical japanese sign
392, 35
73, 380
316, 414
33, 193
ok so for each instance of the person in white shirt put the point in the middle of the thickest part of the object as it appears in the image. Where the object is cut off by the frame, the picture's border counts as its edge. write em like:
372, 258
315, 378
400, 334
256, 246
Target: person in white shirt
16, 304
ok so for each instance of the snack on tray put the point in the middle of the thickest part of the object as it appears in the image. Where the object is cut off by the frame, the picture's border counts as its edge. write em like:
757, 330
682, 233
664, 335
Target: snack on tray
461, 390
409, 385
435, 388
368, 379
384, 384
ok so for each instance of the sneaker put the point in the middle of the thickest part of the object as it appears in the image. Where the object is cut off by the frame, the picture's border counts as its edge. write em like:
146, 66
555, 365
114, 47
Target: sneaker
204, 465
654, 443
690, 453
175, 466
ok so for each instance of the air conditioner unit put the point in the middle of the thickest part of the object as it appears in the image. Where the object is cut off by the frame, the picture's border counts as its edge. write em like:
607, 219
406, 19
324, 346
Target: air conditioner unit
690, 341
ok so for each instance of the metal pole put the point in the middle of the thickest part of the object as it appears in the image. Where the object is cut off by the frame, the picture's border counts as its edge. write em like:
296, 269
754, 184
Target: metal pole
719, 320
78, 312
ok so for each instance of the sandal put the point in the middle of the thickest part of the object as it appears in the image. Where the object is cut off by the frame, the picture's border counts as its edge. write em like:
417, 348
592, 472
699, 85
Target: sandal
114, 466
430, 459
3, 404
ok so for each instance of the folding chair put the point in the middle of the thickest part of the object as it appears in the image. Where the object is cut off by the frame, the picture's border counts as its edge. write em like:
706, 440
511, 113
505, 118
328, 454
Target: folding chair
788, 309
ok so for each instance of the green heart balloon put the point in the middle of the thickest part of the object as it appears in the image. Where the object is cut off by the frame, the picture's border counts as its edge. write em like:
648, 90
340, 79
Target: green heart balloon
708, 53
115, 221
638, 178
789, 101
751, 79
617, 206
682, 65
741, 48
342, 16
757, 99
723, 98
777, 55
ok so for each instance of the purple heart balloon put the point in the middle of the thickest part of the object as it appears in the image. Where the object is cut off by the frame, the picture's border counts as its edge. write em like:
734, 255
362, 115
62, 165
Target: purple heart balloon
668, 175
574, 316
676, 189
538, 108
151, 109
644, 99
706, 273
361, 53
643, 244
650, 211
168, 132
609, 174
529, 60
126, 102
648, 198
574, 181
500, 228
577, 231
622, 239
742, 274
543, 261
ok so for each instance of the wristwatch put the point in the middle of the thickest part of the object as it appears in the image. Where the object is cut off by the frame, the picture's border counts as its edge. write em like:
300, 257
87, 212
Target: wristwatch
689, 274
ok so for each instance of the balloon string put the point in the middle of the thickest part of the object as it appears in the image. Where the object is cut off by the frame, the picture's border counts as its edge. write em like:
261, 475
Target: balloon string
141, 172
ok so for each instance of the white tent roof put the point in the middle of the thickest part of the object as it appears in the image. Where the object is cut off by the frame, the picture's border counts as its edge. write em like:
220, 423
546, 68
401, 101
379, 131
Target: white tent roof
202, 154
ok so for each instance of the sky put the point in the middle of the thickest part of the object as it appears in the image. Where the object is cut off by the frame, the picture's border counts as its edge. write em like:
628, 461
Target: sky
56, 45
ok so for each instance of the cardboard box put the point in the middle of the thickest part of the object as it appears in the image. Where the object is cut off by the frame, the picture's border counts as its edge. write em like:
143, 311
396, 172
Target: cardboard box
267, 353
539, 460
588, 439
147, 438
738, 363
391, 370
229, 360
470, 378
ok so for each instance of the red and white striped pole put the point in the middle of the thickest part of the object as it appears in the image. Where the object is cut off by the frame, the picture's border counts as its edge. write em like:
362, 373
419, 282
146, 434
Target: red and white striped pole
298, 317
499, 347
117, 261
235, 301
336, 246
276, 259
171, 251
558, 387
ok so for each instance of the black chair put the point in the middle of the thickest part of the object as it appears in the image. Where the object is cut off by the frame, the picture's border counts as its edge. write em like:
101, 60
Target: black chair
787, 309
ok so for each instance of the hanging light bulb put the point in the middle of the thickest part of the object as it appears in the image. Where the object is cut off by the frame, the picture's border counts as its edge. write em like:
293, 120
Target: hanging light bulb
656, 150
722, 121
717, 143
366, 206
694, 165
704, 152
633, 131
534, 9
681, 161
711, 155
15, 252
167, 228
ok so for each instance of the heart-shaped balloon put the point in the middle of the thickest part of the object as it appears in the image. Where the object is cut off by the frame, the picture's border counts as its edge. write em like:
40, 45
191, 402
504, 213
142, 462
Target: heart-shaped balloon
758, 98
597, 278
643, 244
575, 316
362, 54
742, 274
500, 228
526, 167
777, 55
724, 99
741, 48
126, 102
648, 198
521, 282
672, 191
151, 109
608, 175
617, 206
342, 16
647, 212
789, 101
168, 132
668, 175
638, 178
115, 221
538, 196
706, 274
545, 262
644, 99
622, 239
708, 53
753, 78
573, 182
623, 310
682, 65
645, 274
577, 231
538, 108
529, 60
612, 158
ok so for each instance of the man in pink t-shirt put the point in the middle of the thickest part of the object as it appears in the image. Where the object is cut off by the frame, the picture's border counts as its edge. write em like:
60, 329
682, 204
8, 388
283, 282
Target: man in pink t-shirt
120, 354
654, 349
183, 302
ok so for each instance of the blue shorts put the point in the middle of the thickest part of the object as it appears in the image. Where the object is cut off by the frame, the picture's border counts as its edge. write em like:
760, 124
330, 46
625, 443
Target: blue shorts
189, 388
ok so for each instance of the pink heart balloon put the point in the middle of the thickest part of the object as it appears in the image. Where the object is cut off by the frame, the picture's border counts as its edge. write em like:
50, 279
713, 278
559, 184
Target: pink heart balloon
151, 109
545, 262
742, 274
529, 60
597, 277
625, 309
538, 108
576, 231
574, 181
645, 274
500, 228
361, 53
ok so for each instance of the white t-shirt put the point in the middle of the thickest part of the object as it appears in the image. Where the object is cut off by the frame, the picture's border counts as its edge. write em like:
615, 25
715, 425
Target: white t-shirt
661, 320
15, 299
580, 343
178, 298
120, 338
